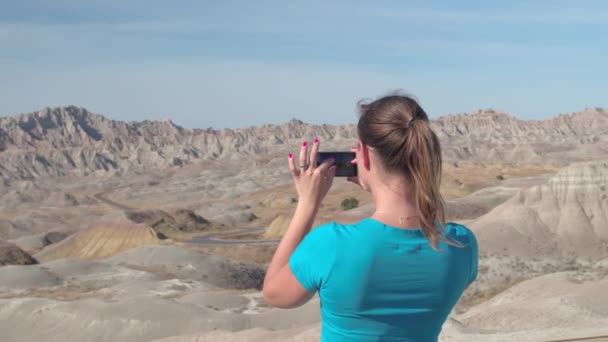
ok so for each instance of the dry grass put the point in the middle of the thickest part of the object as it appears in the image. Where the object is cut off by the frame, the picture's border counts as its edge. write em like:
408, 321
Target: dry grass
462, 179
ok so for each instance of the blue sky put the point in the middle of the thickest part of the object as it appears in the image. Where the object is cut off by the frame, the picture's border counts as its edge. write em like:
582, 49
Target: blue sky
242, 63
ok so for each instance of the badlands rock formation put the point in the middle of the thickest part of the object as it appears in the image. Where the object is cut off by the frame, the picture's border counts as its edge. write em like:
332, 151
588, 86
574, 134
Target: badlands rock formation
149, 293
117, 281
170, 224
102, 240
557, 299
13, 255
71, 140
34, 243
493, 136
184, 263
567, 216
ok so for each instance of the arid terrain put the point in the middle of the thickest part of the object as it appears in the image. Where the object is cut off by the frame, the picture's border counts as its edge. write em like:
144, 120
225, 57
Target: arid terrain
147, 231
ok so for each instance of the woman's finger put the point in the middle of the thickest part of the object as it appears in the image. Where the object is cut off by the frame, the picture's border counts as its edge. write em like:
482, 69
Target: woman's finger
313, 154
354, 161
328, 177
331, 173
354, 180
292, 166
303, 159
325, 166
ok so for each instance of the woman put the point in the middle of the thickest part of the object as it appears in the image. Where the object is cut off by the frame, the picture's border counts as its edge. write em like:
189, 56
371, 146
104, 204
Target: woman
396, 275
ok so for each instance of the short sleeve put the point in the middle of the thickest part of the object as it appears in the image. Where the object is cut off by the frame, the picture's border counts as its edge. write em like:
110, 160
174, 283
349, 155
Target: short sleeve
474, 256
312, 261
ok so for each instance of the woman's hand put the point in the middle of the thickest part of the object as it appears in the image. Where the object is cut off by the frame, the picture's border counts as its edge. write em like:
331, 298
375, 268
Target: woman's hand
312, 181
354, 161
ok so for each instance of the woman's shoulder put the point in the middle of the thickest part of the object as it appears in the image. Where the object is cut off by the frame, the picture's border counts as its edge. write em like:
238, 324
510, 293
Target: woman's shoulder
334, 229
457, 229
460, 232
324, 229
336, 226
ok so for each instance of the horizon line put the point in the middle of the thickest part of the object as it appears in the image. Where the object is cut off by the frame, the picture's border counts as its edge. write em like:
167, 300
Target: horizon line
165, 118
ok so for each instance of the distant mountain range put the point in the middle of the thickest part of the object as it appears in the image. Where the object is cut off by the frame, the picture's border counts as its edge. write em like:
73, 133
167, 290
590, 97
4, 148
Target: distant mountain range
73, 141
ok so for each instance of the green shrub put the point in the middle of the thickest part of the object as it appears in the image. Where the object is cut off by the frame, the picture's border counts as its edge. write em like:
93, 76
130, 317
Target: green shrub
349, 203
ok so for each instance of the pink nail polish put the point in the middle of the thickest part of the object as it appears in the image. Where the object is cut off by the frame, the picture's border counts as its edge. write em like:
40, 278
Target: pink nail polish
290, 156
305, 144
316, 141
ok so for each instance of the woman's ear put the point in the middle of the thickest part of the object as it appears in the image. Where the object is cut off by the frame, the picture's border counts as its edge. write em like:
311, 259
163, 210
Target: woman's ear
364, 149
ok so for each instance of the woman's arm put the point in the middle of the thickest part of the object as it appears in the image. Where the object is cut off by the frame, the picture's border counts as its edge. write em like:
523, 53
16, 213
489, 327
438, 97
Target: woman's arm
281, 288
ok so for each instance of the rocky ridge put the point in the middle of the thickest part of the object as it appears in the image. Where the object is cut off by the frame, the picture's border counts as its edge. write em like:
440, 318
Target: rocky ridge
73, 141
564, 217
13, 255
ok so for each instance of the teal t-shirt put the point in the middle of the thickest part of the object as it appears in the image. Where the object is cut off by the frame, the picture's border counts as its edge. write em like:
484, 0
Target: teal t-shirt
382, 283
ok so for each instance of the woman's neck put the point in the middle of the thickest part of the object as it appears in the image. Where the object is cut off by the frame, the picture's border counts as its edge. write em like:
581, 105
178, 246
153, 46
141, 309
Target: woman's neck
395, 203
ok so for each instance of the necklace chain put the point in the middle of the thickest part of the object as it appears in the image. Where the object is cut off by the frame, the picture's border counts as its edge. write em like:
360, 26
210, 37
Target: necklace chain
402, 218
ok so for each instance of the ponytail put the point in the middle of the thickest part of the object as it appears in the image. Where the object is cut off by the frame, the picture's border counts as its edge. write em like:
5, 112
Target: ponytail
399, 130
424, 151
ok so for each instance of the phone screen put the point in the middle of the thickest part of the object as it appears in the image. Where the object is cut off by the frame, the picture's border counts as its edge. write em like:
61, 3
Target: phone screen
342, 161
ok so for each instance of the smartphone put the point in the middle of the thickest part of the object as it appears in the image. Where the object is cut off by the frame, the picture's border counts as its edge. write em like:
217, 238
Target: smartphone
342, 161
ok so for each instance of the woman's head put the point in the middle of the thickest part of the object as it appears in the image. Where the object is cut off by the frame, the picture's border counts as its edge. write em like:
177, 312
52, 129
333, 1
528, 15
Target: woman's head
397, 131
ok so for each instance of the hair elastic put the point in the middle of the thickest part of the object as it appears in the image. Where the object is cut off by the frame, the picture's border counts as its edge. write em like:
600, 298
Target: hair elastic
410, 124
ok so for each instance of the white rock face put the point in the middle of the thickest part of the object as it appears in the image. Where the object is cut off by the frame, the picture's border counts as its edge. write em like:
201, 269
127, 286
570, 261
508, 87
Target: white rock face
73, 141
568, 215
544, 302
